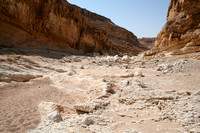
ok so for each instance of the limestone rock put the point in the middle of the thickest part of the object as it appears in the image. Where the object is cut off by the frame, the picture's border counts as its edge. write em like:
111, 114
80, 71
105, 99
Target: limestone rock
106, 91
50, 111
175, 67
71, 72
51, 119
138, 74
125, 58
17, 68
135, 74
17, 77
181, 32
180, 106
85, 107
134, 91
92, 106
48, 126
111, 58
132, 131
116, 58
88, 120
127, 75
55, 116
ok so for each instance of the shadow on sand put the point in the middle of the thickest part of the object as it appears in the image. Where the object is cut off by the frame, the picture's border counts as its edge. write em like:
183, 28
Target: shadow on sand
56, 54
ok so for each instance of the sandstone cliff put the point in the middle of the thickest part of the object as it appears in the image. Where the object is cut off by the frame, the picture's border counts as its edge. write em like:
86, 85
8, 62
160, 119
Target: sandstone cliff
181, 33
121, 39
56, 24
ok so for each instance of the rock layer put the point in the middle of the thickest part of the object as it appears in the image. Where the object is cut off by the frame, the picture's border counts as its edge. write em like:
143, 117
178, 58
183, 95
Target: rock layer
181, 33
122, 40
56, 24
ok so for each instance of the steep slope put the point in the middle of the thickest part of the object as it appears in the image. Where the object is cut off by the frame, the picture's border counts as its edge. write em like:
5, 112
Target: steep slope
122, 40
53, 24
181, 33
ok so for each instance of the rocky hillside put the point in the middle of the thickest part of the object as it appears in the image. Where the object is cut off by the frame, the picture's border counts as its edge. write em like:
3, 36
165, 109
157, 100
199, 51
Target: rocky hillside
122, 40
56, 24
181, 33
148, 42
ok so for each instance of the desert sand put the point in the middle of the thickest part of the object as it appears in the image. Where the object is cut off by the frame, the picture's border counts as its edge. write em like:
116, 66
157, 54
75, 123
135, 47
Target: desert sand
93, 93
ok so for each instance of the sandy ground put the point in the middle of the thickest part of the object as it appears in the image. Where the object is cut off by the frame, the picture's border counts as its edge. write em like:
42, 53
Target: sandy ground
27, 80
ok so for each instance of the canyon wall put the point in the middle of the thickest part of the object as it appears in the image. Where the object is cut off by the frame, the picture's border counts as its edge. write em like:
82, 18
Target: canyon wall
122, 39
58, 25
181, 33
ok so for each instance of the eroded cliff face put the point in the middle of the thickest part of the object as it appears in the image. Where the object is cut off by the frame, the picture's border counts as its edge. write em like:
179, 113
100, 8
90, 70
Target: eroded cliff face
122, 40
181, 33
53, 24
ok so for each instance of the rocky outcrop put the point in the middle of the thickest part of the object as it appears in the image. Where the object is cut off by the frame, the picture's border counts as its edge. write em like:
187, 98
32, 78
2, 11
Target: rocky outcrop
56, 24
181, 33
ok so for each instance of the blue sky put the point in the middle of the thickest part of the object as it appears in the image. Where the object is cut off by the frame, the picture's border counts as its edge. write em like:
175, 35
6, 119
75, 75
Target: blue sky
144, 18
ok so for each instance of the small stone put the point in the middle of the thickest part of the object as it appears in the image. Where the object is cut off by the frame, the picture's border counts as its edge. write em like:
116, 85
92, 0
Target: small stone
82, 67
71, 72
46, 108
138, 74
55, 116
85, 107
128, 75
125, 58
159, 68
115, 58
142, 66
88, 120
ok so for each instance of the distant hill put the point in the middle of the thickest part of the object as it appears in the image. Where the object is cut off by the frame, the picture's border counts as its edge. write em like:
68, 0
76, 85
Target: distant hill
148, 42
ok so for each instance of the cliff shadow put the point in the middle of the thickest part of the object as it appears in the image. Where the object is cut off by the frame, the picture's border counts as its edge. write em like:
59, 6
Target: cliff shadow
48, 53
